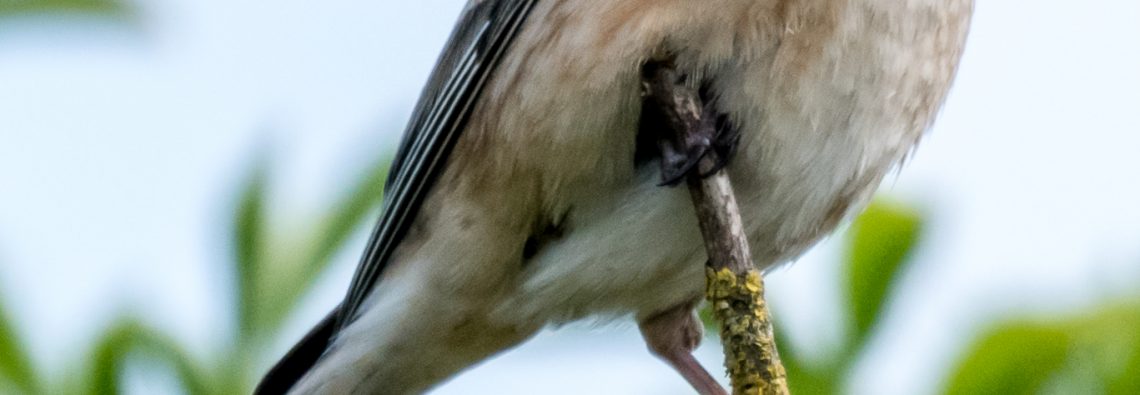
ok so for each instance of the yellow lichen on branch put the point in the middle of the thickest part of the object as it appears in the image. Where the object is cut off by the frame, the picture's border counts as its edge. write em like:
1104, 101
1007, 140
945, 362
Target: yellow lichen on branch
746, 332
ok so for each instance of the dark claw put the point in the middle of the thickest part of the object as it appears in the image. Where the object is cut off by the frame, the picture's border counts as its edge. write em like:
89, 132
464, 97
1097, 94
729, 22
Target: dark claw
675, 166
711, 131
724, 145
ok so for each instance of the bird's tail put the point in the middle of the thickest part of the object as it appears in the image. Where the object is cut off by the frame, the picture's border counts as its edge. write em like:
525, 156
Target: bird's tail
285, 374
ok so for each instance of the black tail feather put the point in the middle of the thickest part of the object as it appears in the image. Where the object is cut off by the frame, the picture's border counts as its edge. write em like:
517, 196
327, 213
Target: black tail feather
285, 374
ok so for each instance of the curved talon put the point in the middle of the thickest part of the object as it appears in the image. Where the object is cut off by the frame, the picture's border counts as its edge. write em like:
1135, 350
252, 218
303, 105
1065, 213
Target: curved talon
703, 129
675, 167
724, 146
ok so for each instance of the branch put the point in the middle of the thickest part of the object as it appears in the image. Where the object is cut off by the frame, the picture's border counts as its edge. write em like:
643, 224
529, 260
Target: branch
735, 287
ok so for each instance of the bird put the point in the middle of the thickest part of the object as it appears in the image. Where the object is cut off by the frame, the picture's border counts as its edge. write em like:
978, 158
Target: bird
527, 190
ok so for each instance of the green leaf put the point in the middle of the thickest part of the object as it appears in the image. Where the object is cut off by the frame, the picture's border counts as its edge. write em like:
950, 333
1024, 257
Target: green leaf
249, 231
881, 241
804, 378
113, 8
1127, 382
107, 361
1093, 353
1017, 358
1109, 346
127, 338
15, 364
347, 215
350, 211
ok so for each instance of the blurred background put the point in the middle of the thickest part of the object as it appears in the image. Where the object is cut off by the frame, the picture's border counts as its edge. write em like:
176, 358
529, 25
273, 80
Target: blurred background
185, 187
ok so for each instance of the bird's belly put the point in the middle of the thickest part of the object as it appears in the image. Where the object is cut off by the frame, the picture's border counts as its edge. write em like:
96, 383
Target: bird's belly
825, 112
631, 246
637, 249
817, 139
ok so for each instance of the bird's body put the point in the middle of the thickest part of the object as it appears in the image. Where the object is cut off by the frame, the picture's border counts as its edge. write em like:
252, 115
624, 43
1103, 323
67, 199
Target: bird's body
541, 215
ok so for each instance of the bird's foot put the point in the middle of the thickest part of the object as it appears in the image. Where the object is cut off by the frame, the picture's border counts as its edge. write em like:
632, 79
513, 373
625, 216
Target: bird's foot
714, 137
672, 335
724, 143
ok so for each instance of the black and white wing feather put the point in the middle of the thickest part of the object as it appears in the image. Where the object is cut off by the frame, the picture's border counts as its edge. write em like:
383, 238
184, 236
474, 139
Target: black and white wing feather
484, 32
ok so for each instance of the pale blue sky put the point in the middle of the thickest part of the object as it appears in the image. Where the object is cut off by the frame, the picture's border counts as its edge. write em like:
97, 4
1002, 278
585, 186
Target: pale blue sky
120, 153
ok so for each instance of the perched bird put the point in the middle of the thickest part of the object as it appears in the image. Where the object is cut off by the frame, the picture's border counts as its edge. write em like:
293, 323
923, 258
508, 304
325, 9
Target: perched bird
526, 191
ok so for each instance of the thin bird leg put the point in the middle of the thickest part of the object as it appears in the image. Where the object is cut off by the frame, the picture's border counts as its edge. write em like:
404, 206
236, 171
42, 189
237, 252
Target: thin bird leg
672, 335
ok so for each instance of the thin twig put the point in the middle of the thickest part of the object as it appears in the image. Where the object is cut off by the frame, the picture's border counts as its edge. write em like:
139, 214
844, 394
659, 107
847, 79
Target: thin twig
735, 287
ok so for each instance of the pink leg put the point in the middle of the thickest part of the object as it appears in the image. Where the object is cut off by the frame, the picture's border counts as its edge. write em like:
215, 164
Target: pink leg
672, 335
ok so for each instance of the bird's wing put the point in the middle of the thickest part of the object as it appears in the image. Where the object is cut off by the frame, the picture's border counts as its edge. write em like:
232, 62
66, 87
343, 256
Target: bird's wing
483, 34
484, 31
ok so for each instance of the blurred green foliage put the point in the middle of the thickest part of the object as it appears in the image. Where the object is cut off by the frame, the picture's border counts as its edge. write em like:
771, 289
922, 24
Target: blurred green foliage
1092, 353
881, 241
879, 244
272, 273
16, 367
1095, 353
93, 8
